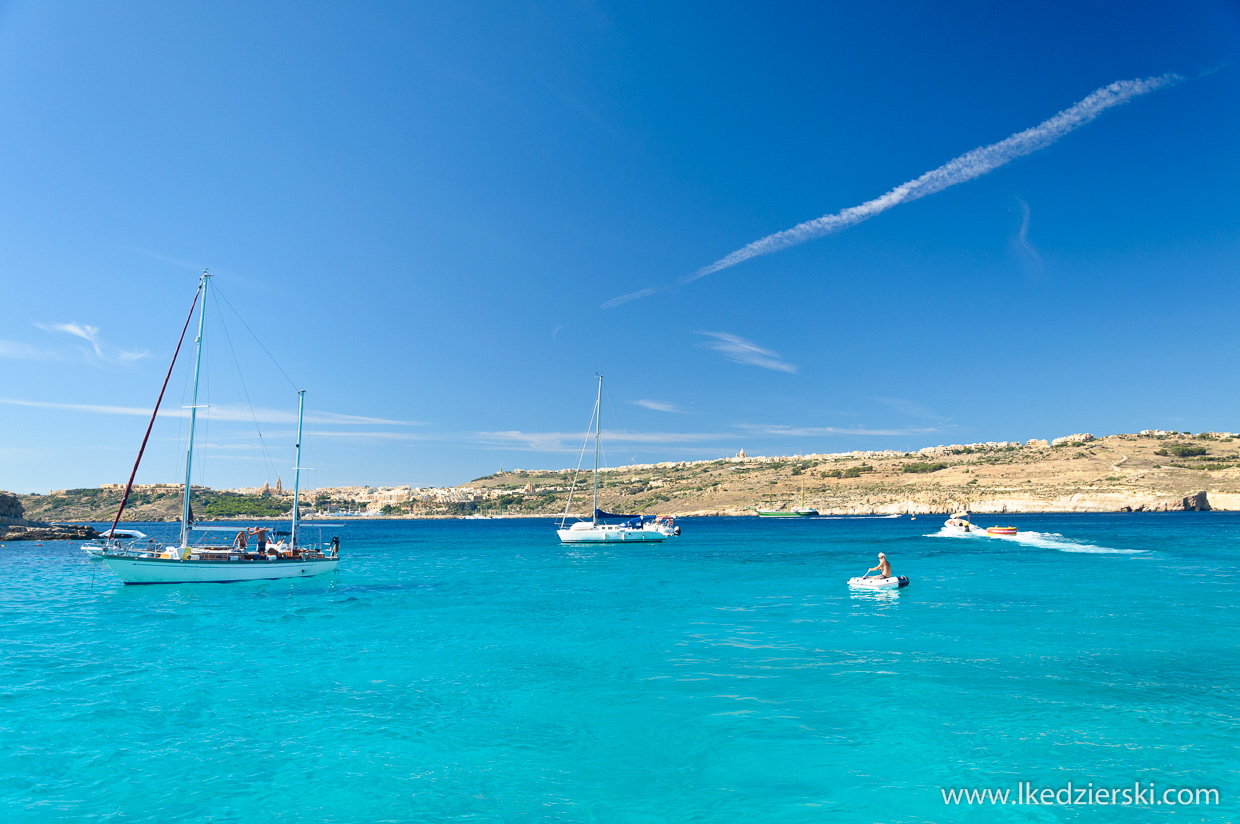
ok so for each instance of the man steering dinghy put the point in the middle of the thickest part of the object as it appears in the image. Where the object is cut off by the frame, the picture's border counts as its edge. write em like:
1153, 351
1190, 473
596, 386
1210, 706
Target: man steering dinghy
884, 579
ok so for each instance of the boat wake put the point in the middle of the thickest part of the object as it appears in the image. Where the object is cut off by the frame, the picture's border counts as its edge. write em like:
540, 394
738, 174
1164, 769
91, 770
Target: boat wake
1042, 540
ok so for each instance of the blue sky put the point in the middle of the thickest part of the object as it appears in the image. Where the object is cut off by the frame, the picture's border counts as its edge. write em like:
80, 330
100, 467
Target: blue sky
426, 212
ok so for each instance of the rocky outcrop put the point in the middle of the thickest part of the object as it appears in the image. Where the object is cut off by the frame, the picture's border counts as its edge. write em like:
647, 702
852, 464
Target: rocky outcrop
48, 532
1197, 502
10, 509
13, 527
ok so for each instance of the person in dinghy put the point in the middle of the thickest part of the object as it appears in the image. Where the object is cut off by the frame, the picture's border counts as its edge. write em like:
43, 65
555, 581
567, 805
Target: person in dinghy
884, 579
883, 567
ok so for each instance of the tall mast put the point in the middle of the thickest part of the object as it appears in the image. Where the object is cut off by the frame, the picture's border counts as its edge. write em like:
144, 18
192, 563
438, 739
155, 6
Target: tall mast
598, 415
193, 409
301, 407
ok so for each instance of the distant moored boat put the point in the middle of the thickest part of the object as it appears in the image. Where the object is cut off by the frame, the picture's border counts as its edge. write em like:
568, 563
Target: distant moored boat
605, 527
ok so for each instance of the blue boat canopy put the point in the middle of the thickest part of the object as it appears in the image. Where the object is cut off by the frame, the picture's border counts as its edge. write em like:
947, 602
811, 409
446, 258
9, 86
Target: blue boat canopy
610, 517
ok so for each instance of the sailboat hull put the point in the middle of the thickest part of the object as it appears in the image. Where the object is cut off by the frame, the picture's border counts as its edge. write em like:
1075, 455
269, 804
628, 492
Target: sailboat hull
172, 571
609, 535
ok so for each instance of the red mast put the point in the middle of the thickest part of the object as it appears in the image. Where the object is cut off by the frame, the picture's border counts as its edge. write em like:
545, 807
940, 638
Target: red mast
129, 486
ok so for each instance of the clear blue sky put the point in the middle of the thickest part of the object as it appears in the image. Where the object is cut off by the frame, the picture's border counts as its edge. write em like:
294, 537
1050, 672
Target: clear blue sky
423, 210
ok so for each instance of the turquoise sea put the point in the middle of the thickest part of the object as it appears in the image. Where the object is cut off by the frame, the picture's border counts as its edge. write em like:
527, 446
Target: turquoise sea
480, 671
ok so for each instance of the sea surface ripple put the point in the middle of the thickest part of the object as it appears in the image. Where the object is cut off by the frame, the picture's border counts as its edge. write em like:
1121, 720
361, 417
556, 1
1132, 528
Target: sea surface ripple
478, 670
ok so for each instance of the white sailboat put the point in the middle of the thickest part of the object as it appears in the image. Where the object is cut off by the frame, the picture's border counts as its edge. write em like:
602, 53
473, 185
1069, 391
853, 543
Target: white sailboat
604, 527
186, 563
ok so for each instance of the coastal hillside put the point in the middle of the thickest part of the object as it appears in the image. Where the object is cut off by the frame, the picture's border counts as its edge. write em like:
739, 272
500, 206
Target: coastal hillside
1145, 472
156, 503
1153, 471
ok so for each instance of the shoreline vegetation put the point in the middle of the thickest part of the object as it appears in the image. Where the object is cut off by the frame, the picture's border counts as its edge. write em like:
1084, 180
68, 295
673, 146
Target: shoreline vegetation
1151, 471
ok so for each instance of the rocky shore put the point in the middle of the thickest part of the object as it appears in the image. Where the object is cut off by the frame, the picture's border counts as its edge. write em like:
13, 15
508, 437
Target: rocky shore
14, 527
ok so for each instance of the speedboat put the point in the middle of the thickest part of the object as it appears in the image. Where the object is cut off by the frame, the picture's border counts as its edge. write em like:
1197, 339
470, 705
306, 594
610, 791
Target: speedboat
960, 521
665, 524
111, 539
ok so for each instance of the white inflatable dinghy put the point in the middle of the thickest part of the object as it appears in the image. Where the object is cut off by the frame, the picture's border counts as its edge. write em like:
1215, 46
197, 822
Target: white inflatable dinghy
875, 582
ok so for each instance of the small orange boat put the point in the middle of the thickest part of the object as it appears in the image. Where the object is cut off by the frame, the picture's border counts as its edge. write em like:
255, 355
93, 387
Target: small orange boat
1000, 530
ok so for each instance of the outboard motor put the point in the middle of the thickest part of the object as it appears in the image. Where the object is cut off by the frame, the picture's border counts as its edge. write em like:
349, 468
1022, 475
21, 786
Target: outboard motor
676, 530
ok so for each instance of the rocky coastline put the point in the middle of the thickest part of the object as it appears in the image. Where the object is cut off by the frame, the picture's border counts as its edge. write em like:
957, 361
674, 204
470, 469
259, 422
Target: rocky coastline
14, 527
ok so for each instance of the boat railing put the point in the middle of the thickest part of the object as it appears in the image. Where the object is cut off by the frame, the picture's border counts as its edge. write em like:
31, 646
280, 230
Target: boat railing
223, 553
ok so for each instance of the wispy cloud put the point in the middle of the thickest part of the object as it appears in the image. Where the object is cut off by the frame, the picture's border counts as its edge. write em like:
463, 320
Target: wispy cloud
576, 104
815, 431
659, 406
616, 301
341, 418
571, 441
15, 350
373, 435
221, 412
1028, 250
165, 259
738, 350
912, 409
96, 408
968, 166
90, 334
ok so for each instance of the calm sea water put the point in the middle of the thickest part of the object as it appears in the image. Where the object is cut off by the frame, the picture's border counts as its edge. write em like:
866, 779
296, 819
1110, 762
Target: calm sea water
480, 671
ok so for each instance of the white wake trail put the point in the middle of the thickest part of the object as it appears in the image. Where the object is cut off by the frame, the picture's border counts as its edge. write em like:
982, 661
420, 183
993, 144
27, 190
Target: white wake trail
966, 167
1042, 540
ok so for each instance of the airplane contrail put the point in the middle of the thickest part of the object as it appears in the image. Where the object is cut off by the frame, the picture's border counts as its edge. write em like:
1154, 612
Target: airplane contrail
966, 167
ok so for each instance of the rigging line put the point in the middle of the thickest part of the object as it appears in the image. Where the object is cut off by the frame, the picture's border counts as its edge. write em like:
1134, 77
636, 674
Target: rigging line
151, 423
321, 447
206, 416
245, 391
577, 472
624, 444
260, 343
308, 443
314, 460
180, 456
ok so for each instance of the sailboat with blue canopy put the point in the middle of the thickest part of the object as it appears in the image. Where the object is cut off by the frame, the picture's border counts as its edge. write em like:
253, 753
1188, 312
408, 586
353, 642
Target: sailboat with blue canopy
607, 527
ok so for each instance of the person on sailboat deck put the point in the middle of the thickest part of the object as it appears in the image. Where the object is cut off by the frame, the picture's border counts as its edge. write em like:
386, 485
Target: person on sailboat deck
260, 538
883, 567
241, 541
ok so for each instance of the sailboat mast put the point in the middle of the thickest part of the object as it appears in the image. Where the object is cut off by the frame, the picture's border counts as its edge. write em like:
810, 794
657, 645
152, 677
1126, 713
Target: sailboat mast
193, 409
301, 407
598, 415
